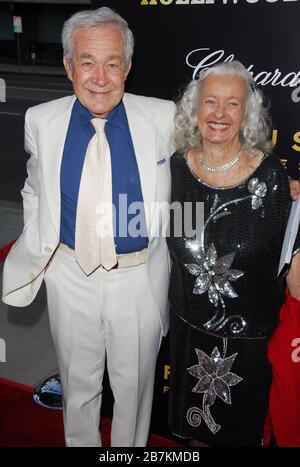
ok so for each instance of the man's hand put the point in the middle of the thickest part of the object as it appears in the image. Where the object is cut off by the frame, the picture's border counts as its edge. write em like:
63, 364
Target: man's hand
294, 189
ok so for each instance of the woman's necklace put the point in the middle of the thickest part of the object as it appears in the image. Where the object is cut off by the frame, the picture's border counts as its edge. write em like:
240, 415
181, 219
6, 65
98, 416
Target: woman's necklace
219, 168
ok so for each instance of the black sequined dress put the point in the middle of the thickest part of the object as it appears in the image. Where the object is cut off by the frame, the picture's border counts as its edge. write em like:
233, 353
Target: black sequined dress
225, 298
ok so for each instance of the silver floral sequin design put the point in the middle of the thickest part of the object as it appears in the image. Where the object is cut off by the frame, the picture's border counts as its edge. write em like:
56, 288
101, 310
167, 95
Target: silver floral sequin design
214, 275
258, 190
214, 380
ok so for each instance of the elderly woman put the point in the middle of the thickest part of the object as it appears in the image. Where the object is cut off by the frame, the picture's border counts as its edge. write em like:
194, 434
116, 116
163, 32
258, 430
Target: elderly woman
225, 294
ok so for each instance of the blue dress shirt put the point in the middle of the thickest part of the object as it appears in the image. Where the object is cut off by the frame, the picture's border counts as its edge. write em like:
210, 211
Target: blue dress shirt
130, 227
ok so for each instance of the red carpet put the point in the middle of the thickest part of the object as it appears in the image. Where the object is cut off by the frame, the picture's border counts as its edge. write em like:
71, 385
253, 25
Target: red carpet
4, 250
23, 423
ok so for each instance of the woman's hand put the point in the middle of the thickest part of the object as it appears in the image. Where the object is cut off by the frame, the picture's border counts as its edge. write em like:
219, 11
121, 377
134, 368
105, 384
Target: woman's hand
294, 188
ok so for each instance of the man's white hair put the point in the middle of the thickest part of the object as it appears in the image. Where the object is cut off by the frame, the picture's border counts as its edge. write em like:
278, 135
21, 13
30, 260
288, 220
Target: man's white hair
89, 18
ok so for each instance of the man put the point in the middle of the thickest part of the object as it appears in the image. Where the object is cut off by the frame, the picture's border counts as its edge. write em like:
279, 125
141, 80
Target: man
115, 309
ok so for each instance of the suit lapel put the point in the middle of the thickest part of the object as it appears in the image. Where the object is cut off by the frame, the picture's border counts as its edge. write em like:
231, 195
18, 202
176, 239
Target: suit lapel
144, 140
53, 138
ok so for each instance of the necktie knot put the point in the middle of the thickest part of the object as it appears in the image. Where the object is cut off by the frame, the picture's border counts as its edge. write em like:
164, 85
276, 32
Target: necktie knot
98, 124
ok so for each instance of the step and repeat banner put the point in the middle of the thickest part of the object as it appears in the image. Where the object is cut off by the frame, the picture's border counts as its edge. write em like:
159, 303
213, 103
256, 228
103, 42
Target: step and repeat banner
176, 39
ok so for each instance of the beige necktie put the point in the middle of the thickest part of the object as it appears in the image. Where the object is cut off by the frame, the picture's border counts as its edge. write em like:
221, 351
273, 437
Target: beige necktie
94, 237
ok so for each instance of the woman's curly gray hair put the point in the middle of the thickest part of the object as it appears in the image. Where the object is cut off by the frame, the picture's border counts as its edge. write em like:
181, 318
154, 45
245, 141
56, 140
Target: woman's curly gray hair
89, 18
255, 133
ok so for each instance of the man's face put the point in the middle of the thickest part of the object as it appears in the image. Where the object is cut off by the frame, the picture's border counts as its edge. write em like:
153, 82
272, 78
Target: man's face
98, 70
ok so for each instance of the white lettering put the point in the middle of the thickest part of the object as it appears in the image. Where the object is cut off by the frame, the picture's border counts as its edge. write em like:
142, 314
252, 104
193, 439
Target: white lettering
275, 80
291, 83
203, 64
296, 353
296, 95
195, 60
137, 225
110, 457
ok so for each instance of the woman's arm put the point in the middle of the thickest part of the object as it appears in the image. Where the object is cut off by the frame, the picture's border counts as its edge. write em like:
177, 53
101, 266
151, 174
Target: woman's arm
293, 277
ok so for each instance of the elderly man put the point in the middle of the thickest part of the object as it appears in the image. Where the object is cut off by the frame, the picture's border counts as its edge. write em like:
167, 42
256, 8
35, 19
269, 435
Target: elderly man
97, 158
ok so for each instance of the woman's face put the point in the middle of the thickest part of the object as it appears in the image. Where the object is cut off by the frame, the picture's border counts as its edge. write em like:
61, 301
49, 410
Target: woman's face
221, 109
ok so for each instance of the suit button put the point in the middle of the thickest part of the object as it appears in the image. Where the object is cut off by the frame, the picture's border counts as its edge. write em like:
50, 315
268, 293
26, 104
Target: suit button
31, 276
47, 249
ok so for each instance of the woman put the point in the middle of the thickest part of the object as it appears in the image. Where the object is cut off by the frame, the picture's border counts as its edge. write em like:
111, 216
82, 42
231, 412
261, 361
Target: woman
225, 294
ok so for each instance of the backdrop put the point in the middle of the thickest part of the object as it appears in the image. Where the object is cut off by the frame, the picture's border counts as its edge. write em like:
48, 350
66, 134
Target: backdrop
176, 39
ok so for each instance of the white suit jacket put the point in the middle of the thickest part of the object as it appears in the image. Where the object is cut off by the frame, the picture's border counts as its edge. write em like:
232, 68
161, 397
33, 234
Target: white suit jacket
151, 125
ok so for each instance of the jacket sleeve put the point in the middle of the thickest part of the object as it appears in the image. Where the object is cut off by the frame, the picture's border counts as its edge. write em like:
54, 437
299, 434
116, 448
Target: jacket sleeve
30, 191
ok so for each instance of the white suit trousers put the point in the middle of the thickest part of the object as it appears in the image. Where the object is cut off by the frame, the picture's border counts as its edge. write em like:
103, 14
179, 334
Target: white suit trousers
106, 315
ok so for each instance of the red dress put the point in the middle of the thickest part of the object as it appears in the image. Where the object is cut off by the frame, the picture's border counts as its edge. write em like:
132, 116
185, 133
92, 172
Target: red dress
284, 354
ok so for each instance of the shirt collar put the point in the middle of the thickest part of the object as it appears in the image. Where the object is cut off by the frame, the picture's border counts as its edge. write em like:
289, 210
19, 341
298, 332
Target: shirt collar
116, 117
85, 115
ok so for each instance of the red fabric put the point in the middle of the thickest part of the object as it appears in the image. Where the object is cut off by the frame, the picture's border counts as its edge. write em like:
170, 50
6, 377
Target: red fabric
284, 354
23, 423
5, 250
